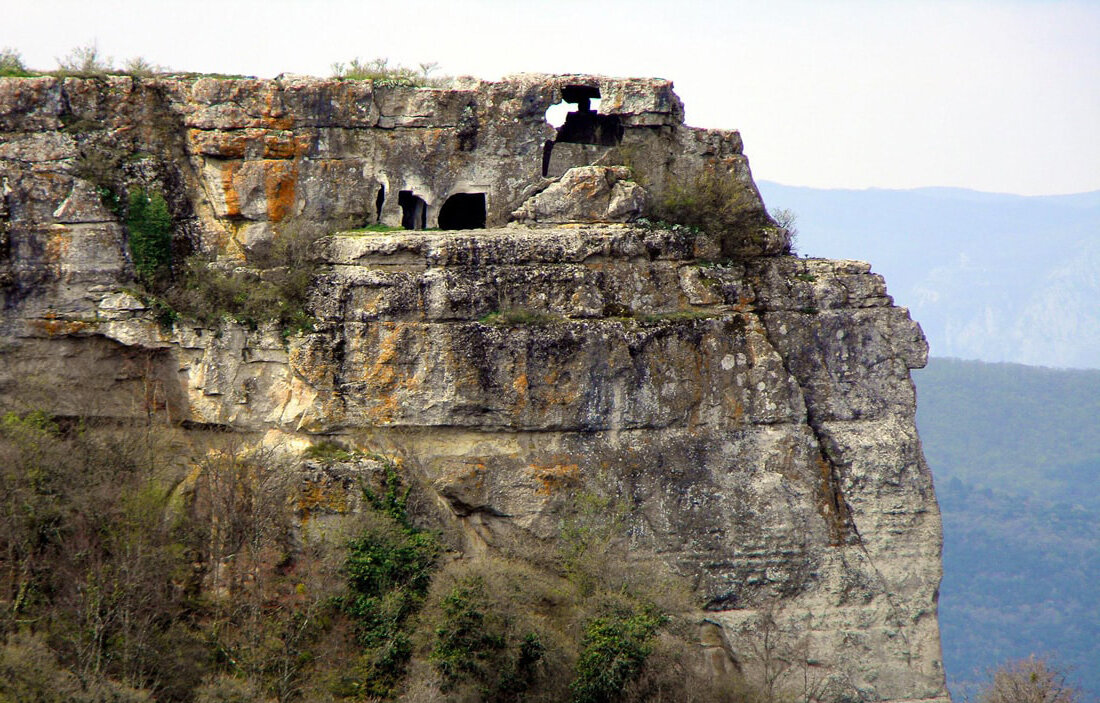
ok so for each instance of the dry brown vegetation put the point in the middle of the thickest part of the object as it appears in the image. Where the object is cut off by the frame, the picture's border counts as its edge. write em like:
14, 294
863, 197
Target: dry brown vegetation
138, 564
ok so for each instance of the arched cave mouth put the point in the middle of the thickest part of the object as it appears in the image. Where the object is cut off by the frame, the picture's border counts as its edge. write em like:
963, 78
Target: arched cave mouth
463, 211
414, 211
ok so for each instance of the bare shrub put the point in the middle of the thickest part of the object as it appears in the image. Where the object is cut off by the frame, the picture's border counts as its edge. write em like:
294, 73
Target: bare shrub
382, 72
1031, 680
140, 67
85, 61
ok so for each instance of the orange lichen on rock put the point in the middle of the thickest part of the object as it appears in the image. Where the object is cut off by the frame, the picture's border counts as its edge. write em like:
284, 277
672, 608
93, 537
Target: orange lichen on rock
285, 145
280, 185
555, 478
225, 145
382, 373
50, 326
232, 199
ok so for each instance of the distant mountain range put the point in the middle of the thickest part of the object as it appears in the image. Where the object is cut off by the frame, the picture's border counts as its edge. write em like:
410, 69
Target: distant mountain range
1015, 451
989, 276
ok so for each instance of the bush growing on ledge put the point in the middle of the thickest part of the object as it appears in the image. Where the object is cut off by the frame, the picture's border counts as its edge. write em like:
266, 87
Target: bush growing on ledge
274, 288
149, 225
11, 64
713, 201
519, 316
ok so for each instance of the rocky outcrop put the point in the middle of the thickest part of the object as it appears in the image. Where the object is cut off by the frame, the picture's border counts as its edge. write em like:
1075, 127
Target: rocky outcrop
756, 411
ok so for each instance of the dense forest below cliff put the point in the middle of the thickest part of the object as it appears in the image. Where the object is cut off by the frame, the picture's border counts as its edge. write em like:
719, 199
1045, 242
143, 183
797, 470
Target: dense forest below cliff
1016, 455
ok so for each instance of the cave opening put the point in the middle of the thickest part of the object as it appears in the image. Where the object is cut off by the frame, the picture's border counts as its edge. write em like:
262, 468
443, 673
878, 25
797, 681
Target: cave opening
414, 211
463, 211
378, 203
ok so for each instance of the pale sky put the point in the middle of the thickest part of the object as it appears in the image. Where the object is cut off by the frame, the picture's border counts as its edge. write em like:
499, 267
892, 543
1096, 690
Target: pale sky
994, 95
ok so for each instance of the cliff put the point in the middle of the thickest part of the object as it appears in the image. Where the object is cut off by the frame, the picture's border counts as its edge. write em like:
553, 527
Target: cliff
754, 408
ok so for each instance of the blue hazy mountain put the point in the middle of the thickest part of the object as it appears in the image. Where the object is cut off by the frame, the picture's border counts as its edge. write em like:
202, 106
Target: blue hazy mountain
989, 276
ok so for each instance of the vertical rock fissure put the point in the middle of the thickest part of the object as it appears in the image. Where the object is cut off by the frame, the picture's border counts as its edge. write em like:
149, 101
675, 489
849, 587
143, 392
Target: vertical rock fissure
834, 506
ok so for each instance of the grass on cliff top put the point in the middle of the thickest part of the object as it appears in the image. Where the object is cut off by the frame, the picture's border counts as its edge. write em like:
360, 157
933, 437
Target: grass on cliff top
375, 228
381, 72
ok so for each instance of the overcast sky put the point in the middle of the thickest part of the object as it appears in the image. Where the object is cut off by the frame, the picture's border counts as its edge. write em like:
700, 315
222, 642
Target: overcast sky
994, 95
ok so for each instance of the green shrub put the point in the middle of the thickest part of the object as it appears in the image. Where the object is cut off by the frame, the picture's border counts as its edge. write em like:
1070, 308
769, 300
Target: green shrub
389, 568
149, 225
11, 64
613, 652
274, 287
475, 644
713, 201
330, 452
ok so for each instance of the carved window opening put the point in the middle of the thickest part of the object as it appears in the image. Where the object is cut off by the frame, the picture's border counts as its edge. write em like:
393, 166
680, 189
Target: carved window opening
379, 202
586, 125
414, 211
463, 211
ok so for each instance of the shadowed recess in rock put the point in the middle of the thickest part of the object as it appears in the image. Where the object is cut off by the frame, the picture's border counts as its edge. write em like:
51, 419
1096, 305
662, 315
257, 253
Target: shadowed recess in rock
463, 211
414, 211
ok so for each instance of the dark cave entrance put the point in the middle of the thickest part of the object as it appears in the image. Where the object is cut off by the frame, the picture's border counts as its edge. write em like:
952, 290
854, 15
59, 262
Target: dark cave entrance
463, 211
379, 202
414, 211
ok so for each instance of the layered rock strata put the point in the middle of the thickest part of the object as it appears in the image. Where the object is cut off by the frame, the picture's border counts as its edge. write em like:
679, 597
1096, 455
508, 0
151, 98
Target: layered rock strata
754, 408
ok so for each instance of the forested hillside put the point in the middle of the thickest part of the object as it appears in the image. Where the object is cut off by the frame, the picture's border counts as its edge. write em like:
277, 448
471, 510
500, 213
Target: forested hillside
1016, 455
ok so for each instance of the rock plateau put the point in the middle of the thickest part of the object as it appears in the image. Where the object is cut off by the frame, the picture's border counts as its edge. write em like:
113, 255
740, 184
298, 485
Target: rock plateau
755, 407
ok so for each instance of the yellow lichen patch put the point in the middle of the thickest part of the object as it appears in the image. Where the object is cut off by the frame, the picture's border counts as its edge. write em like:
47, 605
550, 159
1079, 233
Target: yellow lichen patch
558, 392
737, 415
320, 496
61, 239
556, 477
381, 375
232, 199
469, 474
280, 184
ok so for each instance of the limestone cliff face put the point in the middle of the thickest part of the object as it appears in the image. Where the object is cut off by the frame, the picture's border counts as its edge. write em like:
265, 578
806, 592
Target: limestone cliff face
755, 407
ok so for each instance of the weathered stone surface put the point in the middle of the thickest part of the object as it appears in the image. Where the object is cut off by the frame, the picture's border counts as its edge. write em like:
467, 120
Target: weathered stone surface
587, 194
756, 411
